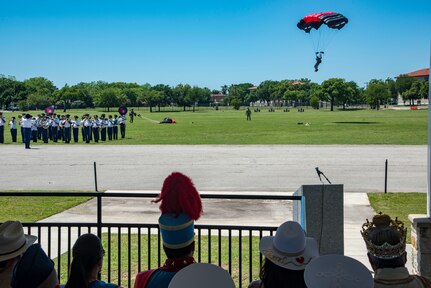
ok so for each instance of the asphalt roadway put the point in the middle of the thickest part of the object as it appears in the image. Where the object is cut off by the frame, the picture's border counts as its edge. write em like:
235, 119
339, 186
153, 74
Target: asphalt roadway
269, 168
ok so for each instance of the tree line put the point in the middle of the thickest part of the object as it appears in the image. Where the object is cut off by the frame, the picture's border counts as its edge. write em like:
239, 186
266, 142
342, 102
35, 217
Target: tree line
39, 92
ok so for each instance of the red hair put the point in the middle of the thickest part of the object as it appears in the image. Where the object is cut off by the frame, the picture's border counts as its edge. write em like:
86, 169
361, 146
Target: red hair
179, 195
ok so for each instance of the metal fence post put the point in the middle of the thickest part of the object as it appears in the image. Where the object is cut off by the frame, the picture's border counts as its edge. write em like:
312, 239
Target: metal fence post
386, 176
95, 177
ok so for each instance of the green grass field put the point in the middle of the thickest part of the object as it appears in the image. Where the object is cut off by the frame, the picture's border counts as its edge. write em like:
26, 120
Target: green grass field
229, 126
399, 205
33, 209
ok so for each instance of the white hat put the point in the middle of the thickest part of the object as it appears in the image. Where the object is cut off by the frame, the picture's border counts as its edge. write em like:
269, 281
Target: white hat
13, 242
289, 248
200, 275
337, 271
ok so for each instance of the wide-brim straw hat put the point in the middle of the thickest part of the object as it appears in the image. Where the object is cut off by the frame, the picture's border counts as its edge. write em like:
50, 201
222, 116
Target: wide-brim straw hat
200, 275
337, 271
289, 248
13, 241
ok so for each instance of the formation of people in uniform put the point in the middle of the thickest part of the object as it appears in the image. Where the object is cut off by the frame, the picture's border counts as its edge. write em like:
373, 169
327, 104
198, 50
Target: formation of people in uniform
57, 128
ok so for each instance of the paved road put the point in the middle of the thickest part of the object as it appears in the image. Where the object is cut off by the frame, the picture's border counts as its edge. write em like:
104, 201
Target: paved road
213, 167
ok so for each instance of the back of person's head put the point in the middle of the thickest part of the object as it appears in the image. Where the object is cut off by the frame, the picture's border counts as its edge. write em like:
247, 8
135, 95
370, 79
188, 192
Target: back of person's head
273, 275
13, 242
180, 252
386, 242
198, 275
87, 255
337, 271
34, 269
286, 256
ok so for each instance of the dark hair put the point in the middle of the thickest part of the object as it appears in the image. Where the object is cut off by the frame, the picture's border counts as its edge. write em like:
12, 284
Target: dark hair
87, 252
380, 236
274, 276
179, 253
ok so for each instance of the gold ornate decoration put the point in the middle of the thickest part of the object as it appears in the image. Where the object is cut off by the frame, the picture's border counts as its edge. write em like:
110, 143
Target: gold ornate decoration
383, 222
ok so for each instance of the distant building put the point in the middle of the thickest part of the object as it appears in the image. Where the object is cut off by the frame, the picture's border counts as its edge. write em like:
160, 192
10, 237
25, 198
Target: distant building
423, 75
217, 98
252, 88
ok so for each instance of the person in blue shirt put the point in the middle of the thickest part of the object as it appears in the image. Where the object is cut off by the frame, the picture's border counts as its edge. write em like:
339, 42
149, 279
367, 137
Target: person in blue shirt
87, 263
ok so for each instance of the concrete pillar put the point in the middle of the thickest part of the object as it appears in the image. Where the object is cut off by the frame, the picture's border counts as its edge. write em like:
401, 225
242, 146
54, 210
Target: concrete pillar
324, 212
421, 244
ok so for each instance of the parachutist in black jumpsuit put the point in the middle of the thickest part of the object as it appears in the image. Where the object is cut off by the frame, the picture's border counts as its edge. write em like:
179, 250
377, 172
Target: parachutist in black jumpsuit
318, 61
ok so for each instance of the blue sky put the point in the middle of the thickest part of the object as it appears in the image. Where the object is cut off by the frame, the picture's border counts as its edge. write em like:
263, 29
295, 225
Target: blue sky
208, 42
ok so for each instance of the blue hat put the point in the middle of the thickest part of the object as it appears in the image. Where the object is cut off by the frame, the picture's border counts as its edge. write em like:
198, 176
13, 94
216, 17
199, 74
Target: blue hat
33, 268
177, 230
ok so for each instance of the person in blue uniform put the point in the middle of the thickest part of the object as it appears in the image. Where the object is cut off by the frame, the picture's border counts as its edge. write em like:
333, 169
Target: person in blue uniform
181, 205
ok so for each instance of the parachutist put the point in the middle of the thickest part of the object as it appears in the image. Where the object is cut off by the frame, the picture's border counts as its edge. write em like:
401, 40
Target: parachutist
318, 61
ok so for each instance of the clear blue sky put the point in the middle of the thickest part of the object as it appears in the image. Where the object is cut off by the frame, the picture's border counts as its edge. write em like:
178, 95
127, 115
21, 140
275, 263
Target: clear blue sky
208, 42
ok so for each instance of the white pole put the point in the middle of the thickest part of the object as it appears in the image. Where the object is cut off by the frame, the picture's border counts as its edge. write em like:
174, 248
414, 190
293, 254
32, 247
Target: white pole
429, 145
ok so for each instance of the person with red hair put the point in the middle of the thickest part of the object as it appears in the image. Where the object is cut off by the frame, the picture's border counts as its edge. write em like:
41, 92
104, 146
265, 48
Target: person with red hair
180, 205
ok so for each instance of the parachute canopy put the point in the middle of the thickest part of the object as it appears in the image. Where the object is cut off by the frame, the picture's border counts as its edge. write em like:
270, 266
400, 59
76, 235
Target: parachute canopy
331, 19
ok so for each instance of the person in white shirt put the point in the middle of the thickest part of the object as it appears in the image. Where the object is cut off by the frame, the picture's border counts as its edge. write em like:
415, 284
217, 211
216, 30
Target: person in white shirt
2, 123
65, 127
33, 129
122, 121
45, 125
115, 128
26, 124
76, 123
54, 128
103, 126
95, 128
110, 127
86, 125
13, 130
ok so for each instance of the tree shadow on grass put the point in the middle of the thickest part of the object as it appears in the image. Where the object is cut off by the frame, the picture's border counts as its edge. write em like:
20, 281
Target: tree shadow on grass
356, 122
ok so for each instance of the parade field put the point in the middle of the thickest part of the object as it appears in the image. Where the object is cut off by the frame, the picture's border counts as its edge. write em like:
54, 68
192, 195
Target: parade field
228, 126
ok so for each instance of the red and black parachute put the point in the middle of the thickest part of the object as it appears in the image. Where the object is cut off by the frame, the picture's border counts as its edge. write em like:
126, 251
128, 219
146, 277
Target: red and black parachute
331, 19
322, 28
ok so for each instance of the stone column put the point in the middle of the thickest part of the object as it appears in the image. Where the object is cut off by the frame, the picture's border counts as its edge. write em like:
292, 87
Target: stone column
324, 212
421, 244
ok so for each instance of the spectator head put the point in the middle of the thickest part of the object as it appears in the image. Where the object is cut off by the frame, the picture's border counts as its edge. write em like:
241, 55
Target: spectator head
286, 255
34, 269
87, 260
385, 239
13, 242
199, 275
337, 271
181, 205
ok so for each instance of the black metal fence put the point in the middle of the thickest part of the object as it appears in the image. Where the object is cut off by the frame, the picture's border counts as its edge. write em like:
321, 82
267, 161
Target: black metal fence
135, 247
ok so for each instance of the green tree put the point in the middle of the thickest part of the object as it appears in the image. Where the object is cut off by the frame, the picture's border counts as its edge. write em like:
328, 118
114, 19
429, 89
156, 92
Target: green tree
11, 91
40, 85
336, 90
377, 93
38, 101
413, 93
314, 102
109, 98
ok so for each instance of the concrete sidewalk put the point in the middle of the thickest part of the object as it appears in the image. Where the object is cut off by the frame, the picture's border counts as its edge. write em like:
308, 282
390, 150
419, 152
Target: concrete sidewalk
229, 212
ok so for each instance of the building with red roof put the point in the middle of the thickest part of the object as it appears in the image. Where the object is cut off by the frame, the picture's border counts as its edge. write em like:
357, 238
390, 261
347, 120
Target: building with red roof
217, 98
422, 75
